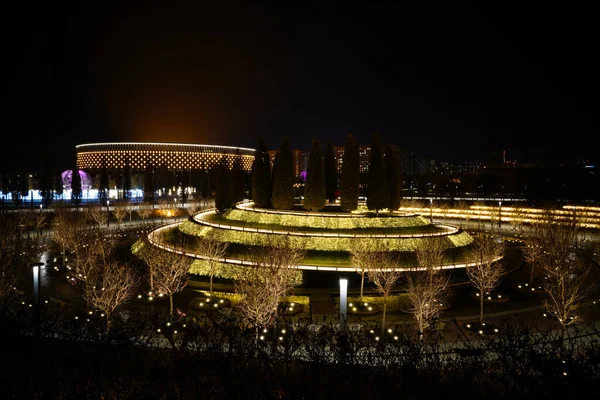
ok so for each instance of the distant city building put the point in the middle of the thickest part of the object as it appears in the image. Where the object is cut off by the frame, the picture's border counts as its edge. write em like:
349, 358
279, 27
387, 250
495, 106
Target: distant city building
299, 159
364, 155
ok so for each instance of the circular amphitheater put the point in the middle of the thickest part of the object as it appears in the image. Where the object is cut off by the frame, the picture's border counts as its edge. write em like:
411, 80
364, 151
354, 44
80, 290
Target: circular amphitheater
326, 238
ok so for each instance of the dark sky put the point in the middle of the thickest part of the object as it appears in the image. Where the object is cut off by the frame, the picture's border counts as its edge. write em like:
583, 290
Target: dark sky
443, 81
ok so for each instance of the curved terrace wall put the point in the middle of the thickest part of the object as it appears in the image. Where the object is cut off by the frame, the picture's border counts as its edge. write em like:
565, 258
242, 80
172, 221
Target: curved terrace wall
322, 242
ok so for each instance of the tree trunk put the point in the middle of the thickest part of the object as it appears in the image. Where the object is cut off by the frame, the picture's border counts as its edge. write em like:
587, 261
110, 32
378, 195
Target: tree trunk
171, 306
481, 306
362, 284
384, 312
107, 321
211, 285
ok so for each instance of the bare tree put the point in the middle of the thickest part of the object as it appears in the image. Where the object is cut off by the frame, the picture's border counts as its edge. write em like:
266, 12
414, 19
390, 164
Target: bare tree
9, 253
108, 287
518, 218
533, 250
145, 210
129, 206
192, 208
568, 280
69, 227
487, 272
361, 259
596, 252
383, 273
97, 214
267, 281
41, 221
120, 211
464, 208
166, 208
214, 250
152, 257
427, 284
171, 275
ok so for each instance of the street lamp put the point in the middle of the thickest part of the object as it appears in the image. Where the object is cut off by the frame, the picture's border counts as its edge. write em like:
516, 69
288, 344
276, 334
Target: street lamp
499, 213
431, 210
35, 267
343, 304
107, 213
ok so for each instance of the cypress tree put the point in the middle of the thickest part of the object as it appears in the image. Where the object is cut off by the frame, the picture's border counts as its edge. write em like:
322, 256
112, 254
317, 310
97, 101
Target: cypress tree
127, 180
103, 189
261, 176
76, 190
314, 189
349, 182
392, 167
16, 188
5, 185
378, 193
223, 194
46, 191
58, 185
237, 179
149, 182
283, 177
330, 172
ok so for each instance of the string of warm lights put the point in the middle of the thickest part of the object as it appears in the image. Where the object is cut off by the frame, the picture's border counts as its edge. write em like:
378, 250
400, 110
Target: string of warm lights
138, 156
583, 217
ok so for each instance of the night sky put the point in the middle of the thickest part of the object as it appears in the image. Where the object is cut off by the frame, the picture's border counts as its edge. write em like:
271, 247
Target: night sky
445, 82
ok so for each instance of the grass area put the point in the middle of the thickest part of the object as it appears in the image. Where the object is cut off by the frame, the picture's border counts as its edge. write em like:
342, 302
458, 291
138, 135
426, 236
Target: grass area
314, 257
409, 230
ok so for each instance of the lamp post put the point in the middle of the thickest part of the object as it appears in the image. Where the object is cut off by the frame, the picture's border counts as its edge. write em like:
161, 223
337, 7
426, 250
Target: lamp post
431, 210
343, 304
107, 213
343, 319
499, 213
35, 268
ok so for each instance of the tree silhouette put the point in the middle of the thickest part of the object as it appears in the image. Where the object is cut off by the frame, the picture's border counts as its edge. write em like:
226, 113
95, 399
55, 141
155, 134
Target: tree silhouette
349, 185
314, 190
331, 177
283, 177
378, 194
392, 167
76, 190
261, 176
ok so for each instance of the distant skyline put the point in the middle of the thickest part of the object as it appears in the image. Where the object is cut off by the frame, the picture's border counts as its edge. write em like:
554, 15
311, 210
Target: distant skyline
443, 81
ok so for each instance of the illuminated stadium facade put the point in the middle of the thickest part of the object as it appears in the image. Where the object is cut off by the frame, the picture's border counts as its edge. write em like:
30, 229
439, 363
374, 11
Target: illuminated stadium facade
172, 156
158, 169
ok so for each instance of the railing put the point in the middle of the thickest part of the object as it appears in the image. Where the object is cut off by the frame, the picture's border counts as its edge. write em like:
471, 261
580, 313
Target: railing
450, 230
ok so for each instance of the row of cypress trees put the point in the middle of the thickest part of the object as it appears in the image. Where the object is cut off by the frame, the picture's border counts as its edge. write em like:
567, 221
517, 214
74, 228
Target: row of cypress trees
276, 189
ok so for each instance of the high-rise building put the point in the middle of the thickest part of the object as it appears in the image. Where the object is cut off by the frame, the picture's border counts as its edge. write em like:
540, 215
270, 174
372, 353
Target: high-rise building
364, 155
299, 160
